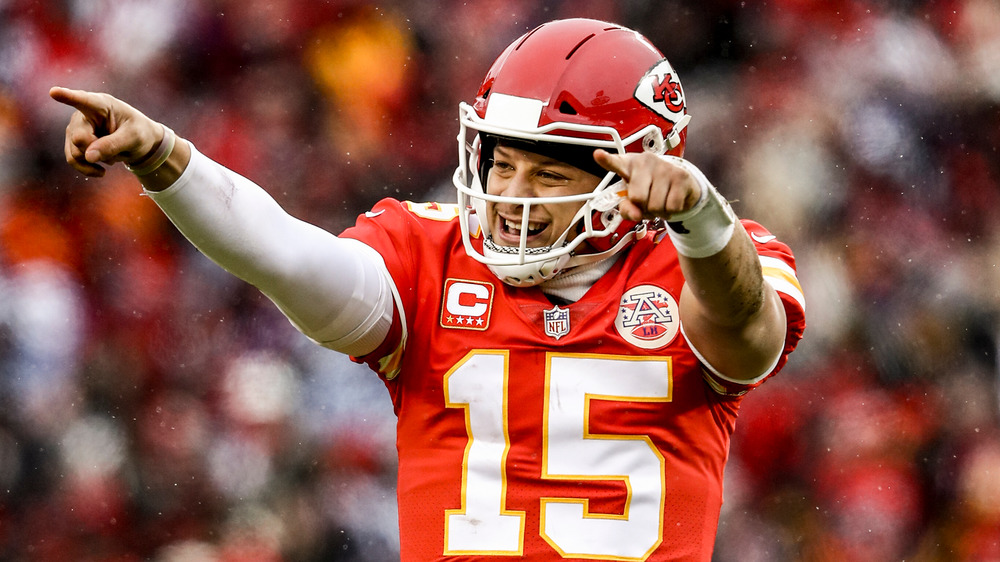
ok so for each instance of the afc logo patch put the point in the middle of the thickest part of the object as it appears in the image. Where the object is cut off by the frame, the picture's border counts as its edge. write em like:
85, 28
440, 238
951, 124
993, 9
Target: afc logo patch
660, 90
466, 304
648, 317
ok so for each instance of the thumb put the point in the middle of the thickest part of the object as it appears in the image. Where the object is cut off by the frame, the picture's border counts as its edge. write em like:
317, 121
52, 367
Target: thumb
110, 148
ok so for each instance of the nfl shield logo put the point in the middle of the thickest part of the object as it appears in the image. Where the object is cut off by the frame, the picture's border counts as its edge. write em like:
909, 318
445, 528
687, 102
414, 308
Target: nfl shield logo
557, 322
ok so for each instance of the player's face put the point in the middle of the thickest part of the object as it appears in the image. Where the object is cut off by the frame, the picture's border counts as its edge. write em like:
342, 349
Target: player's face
518, 173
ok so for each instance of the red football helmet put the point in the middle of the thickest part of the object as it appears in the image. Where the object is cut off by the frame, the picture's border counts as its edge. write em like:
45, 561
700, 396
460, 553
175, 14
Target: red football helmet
566, 88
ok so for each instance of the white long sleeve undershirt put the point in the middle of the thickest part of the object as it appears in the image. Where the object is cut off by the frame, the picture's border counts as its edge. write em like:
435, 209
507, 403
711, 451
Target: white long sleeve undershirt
336, 291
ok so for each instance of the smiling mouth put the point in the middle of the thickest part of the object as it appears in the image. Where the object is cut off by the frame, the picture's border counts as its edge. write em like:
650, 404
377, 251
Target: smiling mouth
513, 228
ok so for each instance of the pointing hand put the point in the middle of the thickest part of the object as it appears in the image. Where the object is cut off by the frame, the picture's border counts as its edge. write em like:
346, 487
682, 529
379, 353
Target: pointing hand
104, 130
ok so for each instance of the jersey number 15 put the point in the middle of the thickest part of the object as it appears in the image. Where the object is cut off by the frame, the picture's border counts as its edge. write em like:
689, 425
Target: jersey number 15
483, 524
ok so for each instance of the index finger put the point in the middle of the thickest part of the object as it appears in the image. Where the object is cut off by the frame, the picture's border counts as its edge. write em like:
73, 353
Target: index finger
88, 103
613, 163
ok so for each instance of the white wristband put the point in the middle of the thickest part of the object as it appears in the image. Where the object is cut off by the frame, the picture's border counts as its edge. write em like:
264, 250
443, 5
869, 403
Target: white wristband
706, 228
159, 157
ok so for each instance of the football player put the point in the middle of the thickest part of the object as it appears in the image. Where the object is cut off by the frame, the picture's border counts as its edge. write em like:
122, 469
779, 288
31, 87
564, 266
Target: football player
567, 347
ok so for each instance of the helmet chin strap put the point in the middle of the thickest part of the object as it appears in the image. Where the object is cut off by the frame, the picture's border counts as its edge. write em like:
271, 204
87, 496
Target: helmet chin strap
535, 273
637, 233
526, 274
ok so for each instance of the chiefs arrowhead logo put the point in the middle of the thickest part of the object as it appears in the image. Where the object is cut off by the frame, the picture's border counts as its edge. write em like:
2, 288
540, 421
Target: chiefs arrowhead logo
660, 90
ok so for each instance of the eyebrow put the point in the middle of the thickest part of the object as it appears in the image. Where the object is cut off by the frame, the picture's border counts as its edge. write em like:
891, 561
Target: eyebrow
545, 160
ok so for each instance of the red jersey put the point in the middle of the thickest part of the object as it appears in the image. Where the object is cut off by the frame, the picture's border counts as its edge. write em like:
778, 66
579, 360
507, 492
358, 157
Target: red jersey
582, 431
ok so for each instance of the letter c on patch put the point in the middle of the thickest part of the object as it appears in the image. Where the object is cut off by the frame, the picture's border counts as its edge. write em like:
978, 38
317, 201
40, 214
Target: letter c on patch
467, 299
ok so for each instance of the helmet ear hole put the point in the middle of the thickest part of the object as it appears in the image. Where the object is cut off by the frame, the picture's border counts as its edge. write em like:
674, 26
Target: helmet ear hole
653, 142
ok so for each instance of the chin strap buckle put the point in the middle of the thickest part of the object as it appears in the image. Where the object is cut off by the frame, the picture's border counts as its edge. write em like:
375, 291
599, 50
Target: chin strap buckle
608, 200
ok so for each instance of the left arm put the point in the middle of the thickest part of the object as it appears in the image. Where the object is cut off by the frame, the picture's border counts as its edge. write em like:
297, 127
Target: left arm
731, 316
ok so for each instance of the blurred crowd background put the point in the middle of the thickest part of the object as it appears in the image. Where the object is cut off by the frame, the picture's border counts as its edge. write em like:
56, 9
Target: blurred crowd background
154, 408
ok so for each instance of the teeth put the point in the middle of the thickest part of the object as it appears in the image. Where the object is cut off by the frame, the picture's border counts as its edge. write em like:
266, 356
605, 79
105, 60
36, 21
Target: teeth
515, 227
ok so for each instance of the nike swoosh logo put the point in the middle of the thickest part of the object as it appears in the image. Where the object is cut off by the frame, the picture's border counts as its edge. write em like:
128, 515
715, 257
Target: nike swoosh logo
372, 215
762, 239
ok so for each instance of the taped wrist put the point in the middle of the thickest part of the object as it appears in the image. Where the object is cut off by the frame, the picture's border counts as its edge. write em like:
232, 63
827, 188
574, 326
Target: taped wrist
706, 228
154, 161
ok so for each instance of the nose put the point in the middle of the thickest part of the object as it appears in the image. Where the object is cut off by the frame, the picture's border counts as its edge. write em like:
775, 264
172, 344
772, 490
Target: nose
518, 184
510, 186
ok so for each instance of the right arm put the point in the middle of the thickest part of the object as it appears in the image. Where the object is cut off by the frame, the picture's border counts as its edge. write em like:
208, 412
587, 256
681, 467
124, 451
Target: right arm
336, 291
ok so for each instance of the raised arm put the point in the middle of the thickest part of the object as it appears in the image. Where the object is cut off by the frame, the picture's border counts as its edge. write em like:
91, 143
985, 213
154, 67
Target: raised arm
732, 318
336, 291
